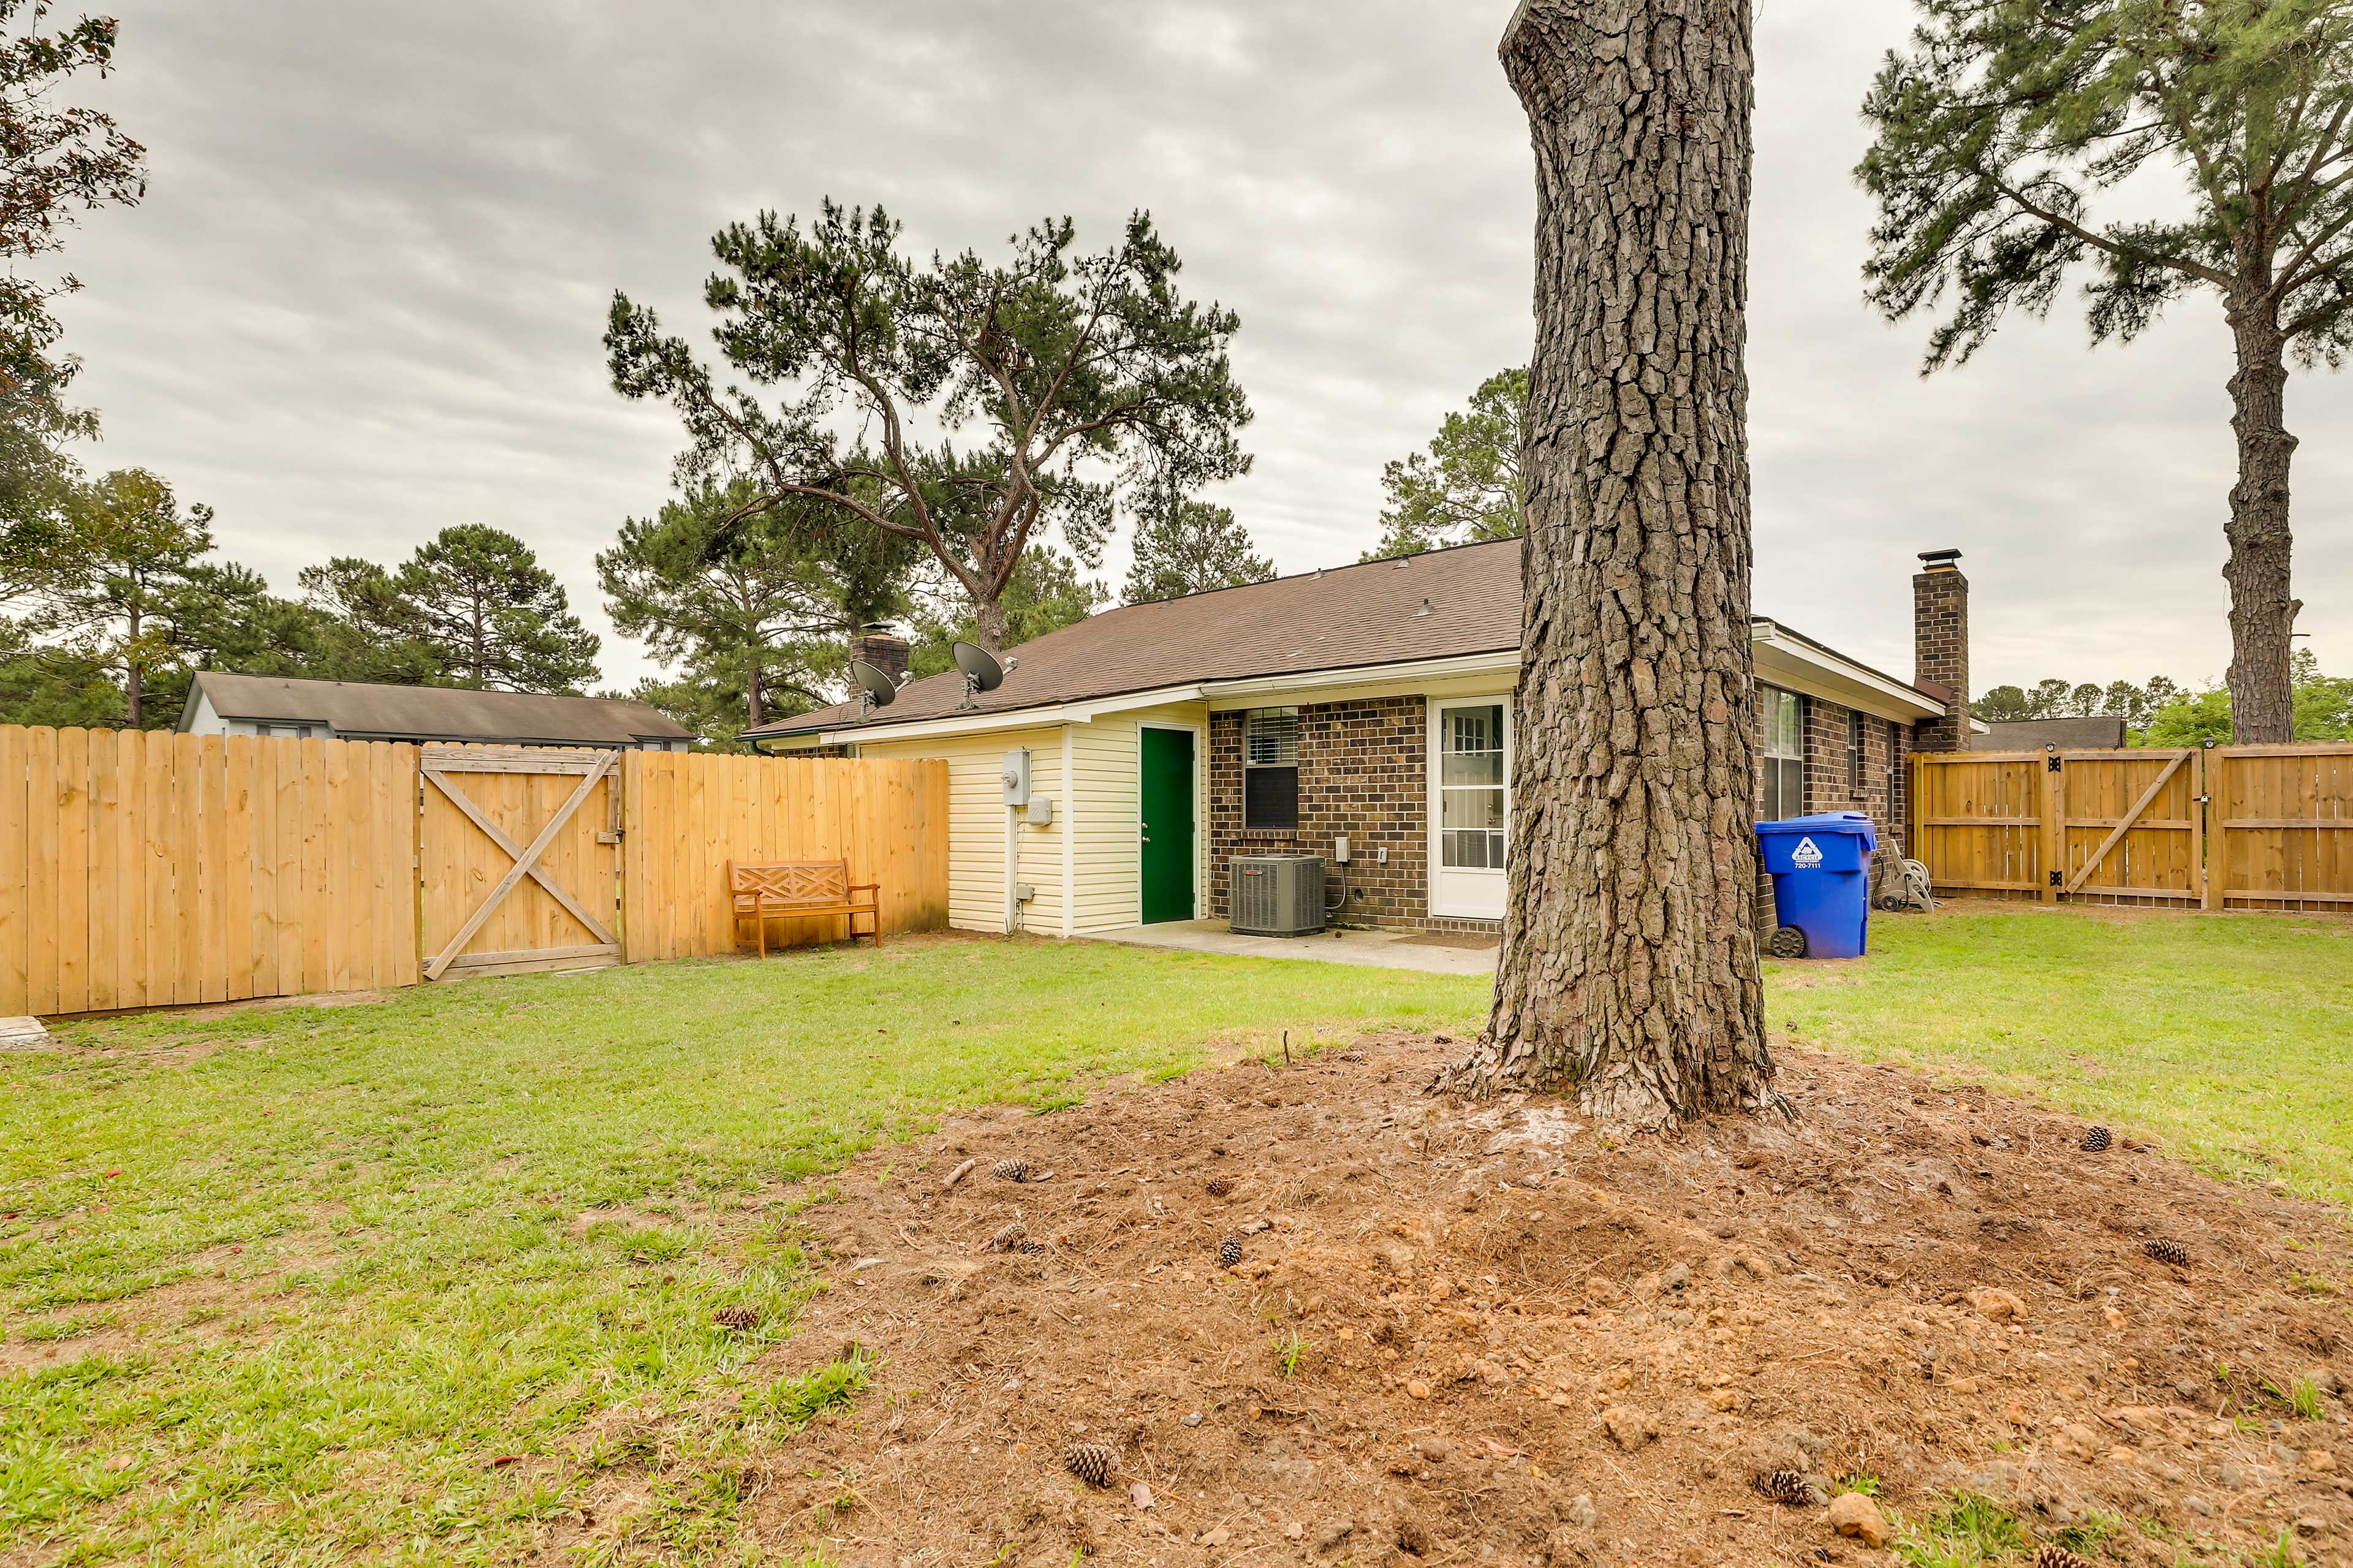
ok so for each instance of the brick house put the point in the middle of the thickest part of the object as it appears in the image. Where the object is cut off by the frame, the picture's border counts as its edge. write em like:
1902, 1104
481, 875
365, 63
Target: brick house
1372, 701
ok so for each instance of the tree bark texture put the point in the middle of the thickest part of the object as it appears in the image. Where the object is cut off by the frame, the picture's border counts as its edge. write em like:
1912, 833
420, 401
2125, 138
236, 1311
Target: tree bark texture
989, 624
1629, 972
2262, 606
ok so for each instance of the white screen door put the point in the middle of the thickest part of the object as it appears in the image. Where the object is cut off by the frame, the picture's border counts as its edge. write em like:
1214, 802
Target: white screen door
1471, 805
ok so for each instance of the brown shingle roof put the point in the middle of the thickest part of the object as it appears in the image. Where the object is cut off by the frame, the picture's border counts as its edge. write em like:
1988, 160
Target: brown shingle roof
1337, 619
364, 708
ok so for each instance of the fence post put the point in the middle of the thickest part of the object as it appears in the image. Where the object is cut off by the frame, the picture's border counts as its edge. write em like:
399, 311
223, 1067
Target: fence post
2054, 827
2213, 842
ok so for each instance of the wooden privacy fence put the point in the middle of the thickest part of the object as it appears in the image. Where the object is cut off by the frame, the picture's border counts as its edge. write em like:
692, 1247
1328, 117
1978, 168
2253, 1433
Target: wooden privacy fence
141, 869
2224, 827
688, 816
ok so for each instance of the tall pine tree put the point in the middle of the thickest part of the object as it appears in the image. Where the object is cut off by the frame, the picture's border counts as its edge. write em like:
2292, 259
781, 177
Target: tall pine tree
2015, 136
1191, 548
478, 603
1628, 974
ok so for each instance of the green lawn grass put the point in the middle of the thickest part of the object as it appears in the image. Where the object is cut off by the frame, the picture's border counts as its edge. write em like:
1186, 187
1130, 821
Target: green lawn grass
309, 1272
2228, 1038
327, 1265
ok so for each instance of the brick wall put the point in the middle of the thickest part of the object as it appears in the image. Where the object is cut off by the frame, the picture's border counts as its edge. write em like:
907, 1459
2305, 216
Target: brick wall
1831, 785
1364, 772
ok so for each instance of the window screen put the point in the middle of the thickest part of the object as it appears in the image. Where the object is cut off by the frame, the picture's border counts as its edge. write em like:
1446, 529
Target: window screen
1270, 768
1854, 749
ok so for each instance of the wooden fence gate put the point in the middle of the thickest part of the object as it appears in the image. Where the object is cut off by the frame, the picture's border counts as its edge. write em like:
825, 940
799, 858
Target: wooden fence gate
518, 858
2222, 828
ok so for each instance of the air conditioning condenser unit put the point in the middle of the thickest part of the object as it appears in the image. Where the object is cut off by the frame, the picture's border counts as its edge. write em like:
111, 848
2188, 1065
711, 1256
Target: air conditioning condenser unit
1277, 894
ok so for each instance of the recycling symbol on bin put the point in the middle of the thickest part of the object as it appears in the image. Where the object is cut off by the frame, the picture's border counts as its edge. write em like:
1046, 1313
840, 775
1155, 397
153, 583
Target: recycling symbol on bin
1807, 854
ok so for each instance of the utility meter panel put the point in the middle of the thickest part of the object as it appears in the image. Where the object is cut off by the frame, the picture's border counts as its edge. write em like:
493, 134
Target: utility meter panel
1016, 777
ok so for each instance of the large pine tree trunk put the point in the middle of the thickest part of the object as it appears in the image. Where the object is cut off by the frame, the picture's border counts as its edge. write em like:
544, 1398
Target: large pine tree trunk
1628, 967
2262, 608
989, 619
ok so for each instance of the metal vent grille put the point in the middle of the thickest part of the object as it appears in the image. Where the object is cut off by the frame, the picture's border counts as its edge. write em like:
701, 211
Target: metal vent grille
1278, 895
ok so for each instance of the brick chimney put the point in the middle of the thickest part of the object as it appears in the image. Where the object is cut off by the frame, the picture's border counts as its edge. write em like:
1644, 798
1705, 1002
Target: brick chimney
1940, 647
886, 652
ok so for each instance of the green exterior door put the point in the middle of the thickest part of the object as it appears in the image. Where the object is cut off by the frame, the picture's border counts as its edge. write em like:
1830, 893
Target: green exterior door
1167, 795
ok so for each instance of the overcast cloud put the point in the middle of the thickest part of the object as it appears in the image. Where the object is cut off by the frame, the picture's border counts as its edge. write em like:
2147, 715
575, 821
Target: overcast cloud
365, 297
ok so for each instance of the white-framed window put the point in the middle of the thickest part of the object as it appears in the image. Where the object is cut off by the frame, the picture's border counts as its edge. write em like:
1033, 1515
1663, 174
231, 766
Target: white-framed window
1471, 816
1270, 768
1781, 759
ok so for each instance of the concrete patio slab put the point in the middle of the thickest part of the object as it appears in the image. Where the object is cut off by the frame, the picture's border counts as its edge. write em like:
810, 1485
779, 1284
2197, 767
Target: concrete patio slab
1374, 949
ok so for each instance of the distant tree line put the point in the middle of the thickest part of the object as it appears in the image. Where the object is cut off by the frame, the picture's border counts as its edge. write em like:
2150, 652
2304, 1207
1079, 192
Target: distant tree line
2163, 712
130, 600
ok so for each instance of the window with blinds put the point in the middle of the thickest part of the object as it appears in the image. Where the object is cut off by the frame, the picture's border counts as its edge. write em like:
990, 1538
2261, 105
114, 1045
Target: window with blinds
1270, 768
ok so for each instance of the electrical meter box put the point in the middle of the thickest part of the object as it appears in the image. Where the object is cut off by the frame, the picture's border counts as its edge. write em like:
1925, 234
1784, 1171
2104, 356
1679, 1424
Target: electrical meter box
1016, 777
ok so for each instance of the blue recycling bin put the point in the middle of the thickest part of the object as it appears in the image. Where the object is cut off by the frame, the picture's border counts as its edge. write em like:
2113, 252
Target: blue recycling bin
1820, 868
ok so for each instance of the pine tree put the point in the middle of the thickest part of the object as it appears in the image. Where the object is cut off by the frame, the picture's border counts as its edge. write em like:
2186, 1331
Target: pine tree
735, 590
490, 615
1191, 548
2010, 134
1629, 973
1468, 485
1061, 383
1045, 596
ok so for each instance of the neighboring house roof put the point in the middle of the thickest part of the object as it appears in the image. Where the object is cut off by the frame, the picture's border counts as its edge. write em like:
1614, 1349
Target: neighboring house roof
2033, 734
1443, 605
364, 710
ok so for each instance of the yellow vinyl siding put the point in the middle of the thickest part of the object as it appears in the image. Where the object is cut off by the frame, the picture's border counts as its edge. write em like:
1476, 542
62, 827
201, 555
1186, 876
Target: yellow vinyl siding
1099, 815
977, 826
1104, 766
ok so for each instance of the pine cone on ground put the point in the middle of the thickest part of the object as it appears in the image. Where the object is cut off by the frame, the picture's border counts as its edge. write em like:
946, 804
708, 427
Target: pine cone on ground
736, 1319
1090, 1462
1220, 1186
1230, 1252
2051, 1555
1010, 1238
2097, 1139
1014, 1170
1784, 1487
2164, 1251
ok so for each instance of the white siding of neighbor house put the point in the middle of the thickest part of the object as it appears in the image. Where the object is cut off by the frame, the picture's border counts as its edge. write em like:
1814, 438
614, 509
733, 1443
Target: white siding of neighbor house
206, 721
977, 826
1095, 820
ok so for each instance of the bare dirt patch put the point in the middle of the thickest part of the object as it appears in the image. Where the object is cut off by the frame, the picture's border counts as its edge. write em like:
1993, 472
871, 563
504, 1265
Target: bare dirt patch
1494, 1335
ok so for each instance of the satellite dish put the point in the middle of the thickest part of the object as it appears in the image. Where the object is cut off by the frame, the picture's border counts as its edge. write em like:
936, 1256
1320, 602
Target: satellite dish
875, 686
979, 666
981, 669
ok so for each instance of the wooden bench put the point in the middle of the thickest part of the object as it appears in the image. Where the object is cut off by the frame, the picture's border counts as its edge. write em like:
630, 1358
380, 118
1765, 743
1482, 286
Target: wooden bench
799, 890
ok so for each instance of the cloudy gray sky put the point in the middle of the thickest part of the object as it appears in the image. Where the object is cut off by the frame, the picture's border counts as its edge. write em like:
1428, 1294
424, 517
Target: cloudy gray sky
363, 299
